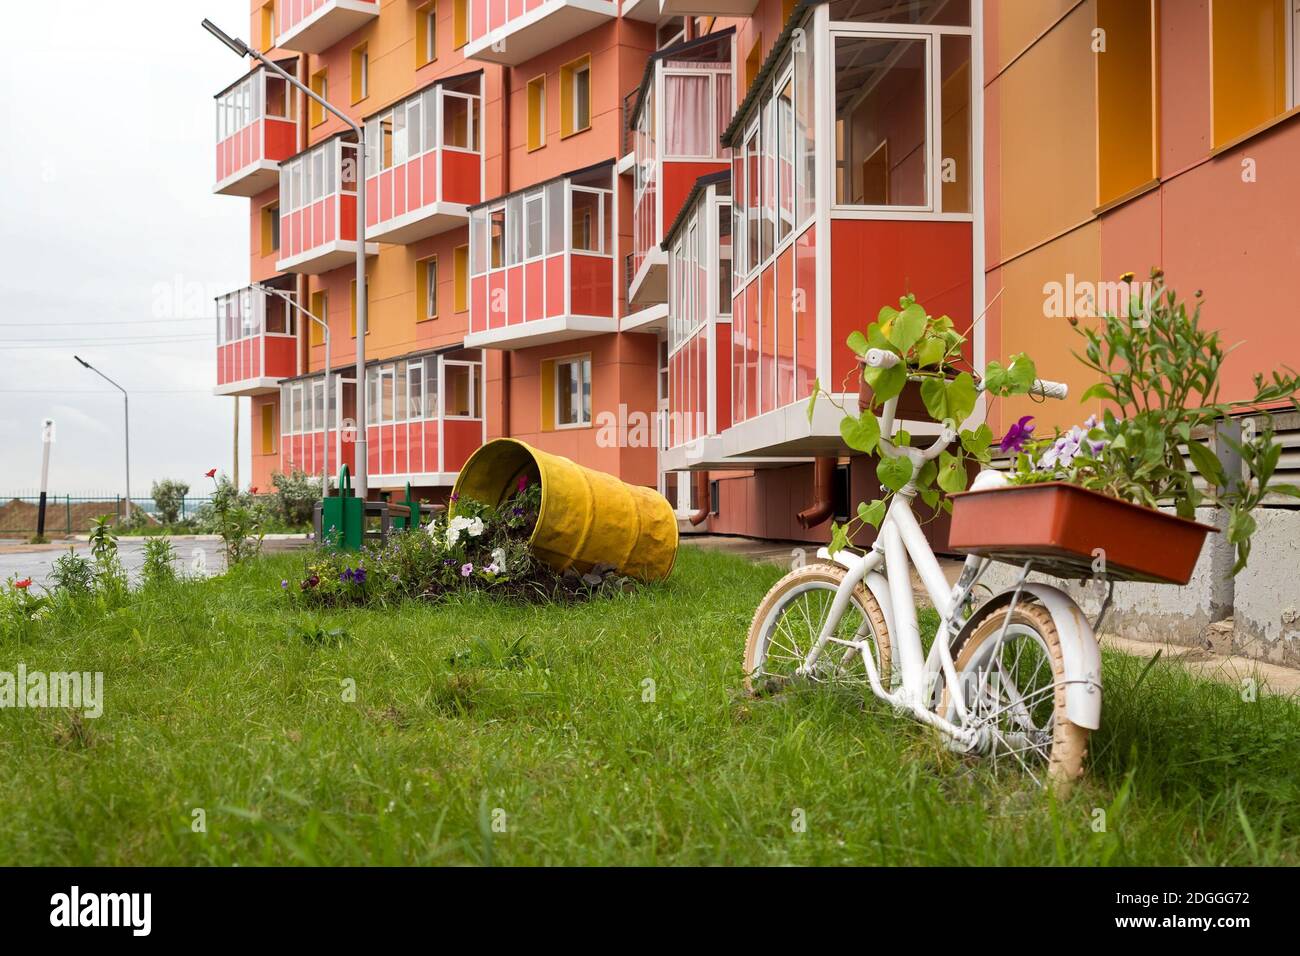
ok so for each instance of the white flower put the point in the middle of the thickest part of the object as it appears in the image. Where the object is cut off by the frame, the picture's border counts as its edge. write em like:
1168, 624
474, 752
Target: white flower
499, 558
458, 524
475, 527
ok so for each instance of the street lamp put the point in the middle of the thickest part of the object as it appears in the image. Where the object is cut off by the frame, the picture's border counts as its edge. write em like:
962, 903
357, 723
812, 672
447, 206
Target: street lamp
126, 411
243, 49
325, 467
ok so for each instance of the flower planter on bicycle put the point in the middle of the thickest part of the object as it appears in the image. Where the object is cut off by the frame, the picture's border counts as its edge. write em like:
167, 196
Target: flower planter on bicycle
1018, 676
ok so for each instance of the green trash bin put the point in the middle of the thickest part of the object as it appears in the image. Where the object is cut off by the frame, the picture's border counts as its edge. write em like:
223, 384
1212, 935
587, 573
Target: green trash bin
341, 517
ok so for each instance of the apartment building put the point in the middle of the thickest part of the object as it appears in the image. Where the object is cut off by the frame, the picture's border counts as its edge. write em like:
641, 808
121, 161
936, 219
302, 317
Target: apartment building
638, 232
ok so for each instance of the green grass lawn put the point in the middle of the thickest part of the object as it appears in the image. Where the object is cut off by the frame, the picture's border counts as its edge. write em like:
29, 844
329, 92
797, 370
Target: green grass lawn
473, 715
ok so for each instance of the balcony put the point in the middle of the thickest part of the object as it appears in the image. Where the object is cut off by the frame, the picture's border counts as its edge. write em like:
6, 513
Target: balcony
256, 130
313, 26
835, 218
318, 209
310, 424
685, 101
426, 166
542, 263
706, 8
512, 31
257, 343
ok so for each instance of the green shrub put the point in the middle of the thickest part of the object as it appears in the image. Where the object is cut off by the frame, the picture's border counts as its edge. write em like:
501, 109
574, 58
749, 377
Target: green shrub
169, 495
296, 494
158, 557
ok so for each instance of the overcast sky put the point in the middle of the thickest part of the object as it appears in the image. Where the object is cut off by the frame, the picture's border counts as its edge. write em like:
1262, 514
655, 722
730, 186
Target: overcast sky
112, 243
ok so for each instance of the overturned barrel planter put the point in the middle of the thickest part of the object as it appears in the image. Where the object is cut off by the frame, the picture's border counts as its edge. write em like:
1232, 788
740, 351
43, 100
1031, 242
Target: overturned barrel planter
587, 517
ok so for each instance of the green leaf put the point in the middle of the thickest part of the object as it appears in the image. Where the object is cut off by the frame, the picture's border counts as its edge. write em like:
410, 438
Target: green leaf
885, 382
930, 496
952, 476
872, 513
907, 328
861, 432
977, 442
812, 399
839, 538
894, 473
1207, 464
1016, 379
857, 342
949, 400
1100, 390
931, 351
1285, 489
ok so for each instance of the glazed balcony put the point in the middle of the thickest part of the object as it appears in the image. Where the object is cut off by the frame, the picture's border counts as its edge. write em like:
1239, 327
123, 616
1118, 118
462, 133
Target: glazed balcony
318, 209
512, 31
313, 26
257, 343
684, 104
839, 212
542, 263
311, 422
256, 130
426, 166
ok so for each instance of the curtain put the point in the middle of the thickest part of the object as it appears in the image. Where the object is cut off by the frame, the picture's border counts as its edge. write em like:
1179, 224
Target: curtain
688, 131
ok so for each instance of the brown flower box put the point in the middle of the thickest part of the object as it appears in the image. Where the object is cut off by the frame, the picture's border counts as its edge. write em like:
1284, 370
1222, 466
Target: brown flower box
1061, 526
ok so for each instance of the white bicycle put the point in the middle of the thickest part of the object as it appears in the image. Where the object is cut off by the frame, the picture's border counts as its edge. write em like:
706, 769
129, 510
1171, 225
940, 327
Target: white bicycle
1017, 677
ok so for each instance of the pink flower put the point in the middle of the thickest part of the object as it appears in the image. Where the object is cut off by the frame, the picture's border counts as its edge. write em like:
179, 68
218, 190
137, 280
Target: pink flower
1017, 434
466, 570
523, 482
24, 584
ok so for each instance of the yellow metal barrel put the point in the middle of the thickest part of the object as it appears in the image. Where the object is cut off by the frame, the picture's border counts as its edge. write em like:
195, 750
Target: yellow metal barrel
587, 517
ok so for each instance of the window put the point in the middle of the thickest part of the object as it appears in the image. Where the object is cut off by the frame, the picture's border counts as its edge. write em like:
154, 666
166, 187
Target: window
461, 383
1248, 44
268, 428
575, 96
460, 120
268, 26
320, 307
881, 151
1126, 137
587, 224
724, 259
534, 226
459, 23
537, 112
426, 34
360, 73
270, 228
426, 289
321, 87
460, 275
573, 392
754, 61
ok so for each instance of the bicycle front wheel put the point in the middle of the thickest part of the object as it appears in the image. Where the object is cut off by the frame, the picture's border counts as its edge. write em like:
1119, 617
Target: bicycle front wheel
1012, 676
789, 620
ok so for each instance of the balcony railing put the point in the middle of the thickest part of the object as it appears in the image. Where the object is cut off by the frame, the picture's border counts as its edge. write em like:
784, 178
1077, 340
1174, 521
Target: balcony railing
318, 208
256, 342
313, 26
542, 263
512, 31
255, 132
685, 103
425, 163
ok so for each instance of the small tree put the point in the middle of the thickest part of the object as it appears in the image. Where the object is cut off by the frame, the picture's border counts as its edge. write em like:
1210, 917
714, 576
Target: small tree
169, 496
296, 495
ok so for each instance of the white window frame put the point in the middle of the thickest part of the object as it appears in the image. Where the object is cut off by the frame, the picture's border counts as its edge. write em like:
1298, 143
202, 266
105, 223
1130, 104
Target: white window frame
475, 388
582, 362
573, 90
430, 267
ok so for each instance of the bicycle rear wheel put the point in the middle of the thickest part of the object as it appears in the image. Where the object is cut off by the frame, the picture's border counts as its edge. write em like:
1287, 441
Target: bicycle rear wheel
789, 619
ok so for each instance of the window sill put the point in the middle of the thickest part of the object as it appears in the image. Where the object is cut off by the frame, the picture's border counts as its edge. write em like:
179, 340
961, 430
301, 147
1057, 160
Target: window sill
1251, 133
1121, 199
427, 318
533, 149
575, 132
573, 427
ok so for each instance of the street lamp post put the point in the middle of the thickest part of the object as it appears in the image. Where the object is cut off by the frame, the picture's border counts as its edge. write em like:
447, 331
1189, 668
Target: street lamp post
325, 467
243, 49
126, 412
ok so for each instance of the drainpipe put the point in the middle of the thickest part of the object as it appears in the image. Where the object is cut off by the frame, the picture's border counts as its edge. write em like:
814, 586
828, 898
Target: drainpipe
702, 495
823, 505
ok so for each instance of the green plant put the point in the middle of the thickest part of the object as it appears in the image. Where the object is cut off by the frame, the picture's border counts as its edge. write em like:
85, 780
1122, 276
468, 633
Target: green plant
110, 576
930, 351
169, 495
19, 607
1159, 371
158, 557
296, 494
72, 575
237, 519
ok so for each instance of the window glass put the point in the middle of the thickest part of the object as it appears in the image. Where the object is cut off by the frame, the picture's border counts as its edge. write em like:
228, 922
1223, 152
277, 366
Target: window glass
767, 211
586, 227
582, 98
752, 160
573, 391
785, 160
431, 289
477, 241
431, 386
429, 111
724, 259
414, 128
688, 100
461, 383
399, 136
455, 121
955, 131
805, 134
496, 238
415, 390
533, 226
880, 121
514, 230
555, 217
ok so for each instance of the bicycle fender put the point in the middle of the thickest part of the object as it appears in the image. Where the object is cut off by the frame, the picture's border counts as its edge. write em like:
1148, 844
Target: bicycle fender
1080, 654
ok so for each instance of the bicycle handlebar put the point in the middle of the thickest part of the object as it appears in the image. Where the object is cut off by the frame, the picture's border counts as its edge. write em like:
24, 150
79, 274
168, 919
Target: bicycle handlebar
883, 358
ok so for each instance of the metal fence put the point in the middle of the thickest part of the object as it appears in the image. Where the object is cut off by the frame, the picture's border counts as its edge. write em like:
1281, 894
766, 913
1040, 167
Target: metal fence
70, 514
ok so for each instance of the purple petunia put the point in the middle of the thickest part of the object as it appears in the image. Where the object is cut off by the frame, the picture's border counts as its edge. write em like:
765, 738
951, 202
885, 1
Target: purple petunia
1017, 434
284, 584
523, 482
466, 570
